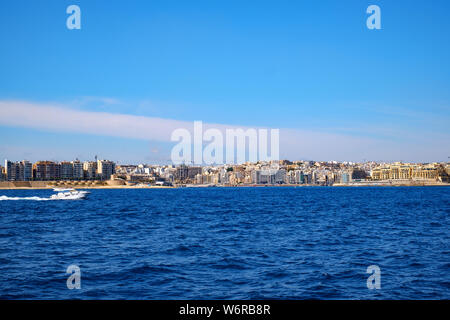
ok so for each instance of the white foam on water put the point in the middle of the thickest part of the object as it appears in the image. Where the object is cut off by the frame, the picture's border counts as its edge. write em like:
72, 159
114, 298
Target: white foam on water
77, 195
2, 198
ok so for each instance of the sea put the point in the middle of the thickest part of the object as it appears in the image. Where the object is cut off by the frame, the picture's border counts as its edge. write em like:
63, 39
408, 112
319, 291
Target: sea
227, 243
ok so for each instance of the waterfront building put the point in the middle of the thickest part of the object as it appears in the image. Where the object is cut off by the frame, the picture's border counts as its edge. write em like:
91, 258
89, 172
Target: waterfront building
280, 176
66, 170
345, 177
216, 178
10, 170
358, 174
307, 178
426, 172
232, 178
224, 177
25, 170
335, 177
401, 171
193, 171
184, 172
105, 169
18, 171
256, 176
269, 176
299, 177
90, 170
77, 169
46, 170
290, 177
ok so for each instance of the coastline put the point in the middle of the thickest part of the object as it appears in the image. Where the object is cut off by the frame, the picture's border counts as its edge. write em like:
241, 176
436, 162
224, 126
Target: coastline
50, 187
87, 187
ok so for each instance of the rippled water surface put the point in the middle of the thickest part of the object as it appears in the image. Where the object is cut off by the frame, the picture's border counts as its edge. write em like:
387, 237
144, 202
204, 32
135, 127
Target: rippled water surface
228, 243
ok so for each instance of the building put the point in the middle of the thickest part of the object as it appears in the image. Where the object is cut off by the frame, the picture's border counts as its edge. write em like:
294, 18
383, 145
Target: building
90, 170
401, 171
299, 177
105, 169
358, 174
25, 170
2, 173
10, 170
428, 172
46, 170
184, 172
290, 177
77, 169
18, 171
269, 176
345, 177
66, 170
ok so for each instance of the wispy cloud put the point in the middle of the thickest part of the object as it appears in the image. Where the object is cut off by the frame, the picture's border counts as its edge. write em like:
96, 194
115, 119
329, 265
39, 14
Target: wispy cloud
63, 119
294, 143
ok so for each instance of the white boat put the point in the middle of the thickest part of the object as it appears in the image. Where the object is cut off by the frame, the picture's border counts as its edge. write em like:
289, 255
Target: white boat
70, 195
62, 189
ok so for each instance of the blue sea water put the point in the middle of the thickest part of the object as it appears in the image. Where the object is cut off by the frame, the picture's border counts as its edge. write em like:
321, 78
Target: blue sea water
228, 243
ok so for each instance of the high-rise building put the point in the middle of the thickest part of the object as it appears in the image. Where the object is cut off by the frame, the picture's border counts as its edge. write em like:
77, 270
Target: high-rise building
90, 170
182, 172
105, 169
194, 171
299, 177
78, 172
18, 171
256, 176
10, 170
66, 170
269, 176
345, 177
46, 170
25, 170
2, 173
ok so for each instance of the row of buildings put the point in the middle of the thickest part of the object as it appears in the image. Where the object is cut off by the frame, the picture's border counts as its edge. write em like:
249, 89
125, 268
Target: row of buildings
286, 172
404, 171
50, 170
259, 173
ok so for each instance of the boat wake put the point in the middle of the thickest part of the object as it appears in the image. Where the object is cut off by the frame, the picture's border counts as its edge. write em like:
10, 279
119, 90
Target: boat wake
3, 198
72, 195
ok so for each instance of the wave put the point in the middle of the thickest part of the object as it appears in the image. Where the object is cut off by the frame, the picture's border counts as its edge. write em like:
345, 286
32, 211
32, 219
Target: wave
59, 196
3, 198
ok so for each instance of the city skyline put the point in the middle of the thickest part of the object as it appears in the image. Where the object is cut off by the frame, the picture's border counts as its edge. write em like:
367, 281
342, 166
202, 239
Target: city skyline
274, 172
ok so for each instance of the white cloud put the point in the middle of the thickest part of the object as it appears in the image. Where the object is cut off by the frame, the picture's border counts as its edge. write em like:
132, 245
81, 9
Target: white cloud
58, 118
294, 143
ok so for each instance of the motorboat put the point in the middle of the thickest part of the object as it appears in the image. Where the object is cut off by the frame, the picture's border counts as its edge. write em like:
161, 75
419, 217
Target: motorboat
69, 195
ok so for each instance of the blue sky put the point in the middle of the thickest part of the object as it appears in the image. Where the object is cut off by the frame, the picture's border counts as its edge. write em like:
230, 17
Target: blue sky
307, 65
